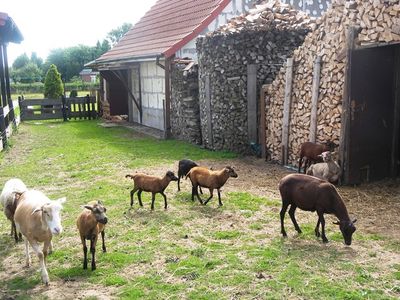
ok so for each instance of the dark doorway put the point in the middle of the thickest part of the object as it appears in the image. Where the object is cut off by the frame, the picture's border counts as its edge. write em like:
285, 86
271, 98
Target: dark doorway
374, 142
117, 93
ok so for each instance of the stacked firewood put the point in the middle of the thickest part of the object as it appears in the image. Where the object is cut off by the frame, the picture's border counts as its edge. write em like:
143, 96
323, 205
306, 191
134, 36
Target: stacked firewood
377, 21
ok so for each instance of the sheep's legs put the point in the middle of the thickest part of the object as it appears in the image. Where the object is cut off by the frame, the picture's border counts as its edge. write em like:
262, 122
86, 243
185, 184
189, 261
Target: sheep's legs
317, 234
84, 253
93, 252
39, 253
291, 214
102, 239
196, 192
300, 163
14, 229
153, 198
211, 195
139, 195
219, 198
282, 214
165, 200
322, 221
179, 182
27, 256
132, 193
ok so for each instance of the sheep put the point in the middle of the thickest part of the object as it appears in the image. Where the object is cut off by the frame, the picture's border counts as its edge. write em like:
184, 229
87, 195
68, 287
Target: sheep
313, 194
328, 170
184, 166
153, 184
9, 199
38, 219
90, 223
203, 177
310, 151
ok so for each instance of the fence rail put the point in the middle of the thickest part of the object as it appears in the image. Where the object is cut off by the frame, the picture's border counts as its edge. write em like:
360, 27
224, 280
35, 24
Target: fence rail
63, 108
8, 121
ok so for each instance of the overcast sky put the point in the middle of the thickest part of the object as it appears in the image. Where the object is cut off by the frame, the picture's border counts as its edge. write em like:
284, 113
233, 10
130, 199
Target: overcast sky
52, 24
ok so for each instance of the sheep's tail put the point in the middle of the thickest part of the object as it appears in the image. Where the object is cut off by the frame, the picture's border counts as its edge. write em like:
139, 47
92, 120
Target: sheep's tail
130, 176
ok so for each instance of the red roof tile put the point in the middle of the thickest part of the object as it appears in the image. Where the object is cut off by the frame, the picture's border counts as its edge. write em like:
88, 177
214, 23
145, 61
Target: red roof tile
165, 28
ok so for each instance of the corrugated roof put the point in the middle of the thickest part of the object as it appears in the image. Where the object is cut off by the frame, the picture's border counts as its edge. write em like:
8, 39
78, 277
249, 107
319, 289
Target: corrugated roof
9, 31
165, 28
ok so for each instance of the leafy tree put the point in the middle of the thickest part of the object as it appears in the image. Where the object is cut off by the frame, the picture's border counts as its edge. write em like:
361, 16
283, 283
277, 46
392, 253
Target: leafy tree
53, 86
36, 60
116, 34
20, 61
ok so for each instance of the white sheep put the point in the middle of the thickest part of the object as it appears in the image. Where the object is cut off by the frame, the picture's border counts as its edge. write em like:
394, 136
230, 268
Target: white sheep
9, 199
38, 219
328, 170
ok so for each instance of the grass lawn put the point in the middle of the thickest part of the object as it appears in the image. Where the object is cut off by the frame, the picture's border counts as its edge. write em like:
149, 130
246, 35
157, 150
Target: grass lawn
186, 252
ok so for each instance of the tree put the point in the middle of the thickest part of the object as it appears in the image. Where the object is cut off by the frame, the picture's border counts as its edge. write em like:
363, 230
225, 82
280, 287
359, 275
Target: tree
116, 34
20, 61
53, 86
29, 73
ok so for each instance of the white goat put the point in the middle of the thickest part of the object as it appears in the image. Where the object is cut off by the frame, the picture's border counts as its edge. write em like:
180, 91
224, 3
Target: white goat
38, 218
328, 170
8, 199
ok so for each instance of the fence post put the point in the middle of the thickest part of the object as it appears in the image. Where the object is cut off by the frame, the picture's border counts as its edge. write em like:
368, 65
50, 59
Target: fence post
21, 111
88, 106
3, 128
64, 108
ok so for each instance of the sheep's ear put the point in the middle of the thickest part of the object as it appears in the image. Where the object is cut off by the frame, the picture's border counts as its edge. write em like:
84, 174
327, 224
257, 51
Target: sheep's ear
336, 223
88, 207
36, 210
62, 200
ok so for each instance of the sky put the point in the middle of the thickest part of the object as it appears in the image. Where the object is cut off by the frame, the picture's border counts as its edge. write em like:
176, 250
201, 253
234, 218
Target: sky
52, 24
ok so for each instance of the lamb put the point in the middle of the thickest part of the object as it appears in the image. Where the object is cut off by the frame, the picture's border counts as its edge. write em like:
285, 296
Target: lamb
90, 223
310, 152
153, 184
328, 170
313, 194
184, 166
38, 219
203, 177
9, 199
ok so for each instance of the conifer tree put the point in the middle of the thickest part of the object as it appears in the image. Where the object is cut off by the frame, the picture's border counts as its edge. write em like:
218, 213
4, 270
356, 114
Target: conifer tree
53, 86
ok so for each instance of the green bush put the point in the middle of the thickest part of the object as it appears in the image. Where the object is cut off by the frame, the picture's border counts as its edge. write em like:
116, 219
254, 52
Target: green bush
53, 86
73, 94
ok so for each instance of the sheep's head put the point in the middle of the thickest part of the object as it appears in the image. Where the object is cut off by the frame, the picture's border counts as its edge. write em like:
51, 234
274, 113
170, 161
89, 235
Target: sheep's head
347, 228
99, 211
326, 156
171, 176
51, 215
330, 145
230, 171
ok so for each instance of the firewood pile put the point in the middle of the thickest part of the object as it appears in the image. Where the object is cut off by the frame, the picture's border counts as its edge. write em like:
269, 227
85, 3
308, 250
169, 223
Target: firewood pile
264, 37
377, 21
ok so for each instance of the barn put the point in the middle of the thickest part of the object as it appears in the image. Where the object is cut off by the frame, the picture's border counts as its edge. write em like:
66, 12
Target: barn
342, 84
137, 71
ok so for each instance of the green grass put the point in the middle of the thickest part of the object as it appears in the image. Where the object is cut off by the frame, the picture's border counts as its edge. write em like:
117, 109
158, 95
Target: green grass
188, 251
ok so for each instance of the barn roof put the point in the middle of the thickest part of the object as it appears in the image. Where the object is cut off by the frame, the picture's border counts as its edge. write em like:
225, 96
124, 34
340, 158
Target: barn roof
9, 31
164, 29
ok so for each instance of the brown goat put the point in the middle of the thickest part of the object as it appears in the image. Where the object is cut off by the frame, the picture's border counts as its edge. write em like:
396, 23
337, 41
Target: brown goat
153, 184
312, 194
311, 151
90, 223
203, 177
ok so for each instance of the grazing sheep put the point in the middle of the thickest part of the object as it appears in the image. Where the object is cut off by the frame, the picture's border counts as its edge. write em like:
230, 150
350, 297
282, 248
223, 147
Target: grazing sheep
91, 222
184, 166
313, 194
203, 177
153, 184
9, 199
38, 219
310, 152
328, 170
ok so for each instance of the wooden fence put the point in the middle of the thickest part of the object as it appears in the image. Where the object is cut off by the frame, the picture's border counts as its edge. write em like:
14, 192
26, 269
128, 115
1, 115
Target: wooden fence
63, 108
8, 121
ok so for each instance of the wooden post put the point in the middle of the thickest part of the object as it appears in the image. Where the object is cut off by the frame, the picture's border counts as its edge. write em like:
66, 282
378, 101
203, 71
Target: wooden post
394, 168
261, 131
252, 103
314, 99
87, 100
64, 108
3, 134
346, 109
208, 111
286, 110
167, 107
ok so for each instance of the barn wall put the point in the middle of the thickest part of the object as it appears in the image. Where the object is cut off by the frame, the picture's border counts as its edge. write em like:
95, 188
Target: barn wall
379, 23
185, 113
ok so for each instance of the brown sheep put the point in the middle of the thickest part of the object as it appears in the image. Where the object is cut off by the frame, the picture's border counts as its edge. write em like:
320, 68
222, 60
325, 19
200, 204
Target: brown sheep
310, 152
313, 194
203, 177
153, 184
90, 223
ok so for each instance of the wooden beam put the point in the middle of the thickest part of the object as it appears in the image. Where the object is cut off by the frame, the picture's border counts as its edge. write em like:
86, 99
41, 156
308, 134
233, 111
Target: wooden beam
286, 110
394, 167
252, 103
167, 108
314, 99
208, 111
262, 129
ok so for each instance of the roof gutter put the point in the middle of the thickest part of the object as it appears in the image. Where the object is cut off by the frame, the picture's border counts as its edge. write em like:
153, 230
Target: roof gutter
113, 64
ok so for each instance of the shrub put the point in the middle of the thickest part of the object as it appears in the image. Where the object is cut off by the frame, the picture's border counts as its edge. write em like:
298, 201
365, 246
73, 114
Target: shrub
73, 94
53, 86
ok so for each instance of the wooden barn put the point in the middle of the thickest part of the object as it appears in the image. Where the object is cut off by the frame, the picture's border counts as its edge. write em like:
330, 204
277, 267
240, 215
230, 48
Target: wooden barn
342, 85
137, 71
9, 33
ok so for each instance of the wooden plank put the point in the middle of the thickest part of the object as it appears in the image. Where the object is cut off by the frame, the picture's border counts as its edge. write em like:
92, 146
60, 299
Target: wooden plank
252, 103
208, 111
394, 167
314, 99
31, 102
286, 110
263, 127
346, 110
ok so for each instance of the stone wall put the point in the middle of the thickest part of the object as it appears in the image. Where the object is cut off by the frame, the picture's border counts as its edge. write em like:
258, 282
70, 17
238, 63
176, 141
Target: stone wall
185, 117
264, 37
